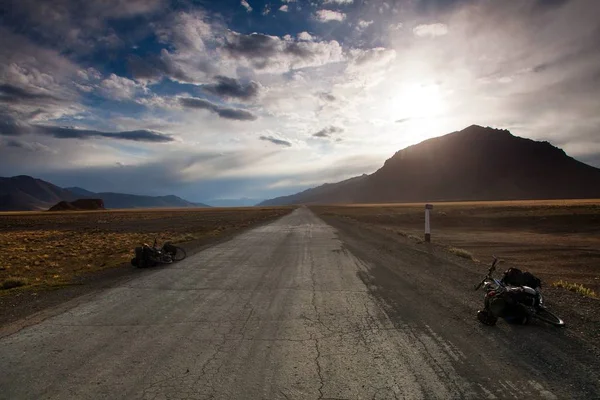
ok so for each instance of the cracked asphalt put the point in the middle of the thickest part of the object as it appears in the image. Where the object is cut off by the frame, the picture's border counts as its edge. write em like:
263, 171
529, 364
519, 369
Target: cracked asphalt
291, 310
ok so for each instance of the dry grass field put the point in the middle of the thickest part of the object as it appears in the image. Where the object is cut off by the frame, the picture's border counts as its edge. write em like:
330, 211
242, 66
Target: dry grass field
42, 249
557, 240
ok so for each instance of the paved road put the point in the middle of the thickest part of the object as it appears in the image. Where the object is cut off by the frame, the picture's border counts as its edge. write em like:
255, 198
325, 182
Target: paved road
285, 311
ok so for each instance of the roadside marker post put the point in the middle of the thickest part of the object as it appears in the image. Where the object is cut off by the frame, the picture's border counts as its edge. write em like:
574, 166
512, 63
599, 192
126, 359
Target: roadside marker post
427, 223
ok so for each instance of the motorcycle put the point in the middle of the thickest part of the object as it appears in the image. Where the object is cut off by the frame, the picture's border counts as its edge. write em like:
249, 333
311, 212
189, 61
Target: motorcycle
518, 304
149, 256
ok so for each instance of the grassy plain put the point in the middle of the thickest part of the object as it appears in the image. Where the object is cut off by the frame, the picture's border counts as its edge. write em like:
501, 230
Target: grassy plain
43, 249
555, 239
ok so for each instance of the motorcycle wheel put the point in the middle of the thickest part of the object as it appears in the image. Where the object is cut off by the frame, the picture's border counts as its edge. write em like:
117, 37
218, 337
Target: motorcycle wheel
544, 315
176, 252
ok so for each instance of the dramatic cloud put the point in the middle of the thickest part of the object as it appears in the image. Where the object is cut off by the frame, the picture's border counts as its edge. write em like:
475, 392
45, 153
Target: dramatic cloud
128, 70
230, 87
274, 140
329, 15
431, 30
12, 128
223, 112
247, 6
328, 132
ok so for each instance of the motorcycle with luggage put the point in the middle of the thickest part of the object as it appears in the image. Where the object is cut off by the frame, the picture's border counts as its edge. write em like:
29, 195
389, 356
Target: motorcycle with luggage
516, 298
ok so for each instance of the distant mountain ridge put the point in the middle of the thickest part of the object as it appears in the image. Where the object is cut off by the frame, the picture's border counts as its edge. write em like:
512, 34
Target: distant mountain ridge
24, 193
476, 163
122, 200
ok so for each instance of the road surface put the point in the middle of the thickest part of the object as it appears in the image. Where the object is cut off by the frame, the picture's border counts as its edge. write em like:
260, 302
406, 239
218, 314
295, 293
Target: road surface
292, 310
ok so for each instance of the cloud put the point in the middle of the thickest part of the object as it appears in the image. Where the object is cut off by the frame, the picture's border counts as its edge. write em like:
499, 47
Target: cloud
15, 128
71, 24
266, 10
120, 88
199, 47
326, 96
14, 94
283, 8
35, 82
191, 55
328, 132
274, 140
223, 112
329, 15
231, 87
253, 45
431, 30
339, 2
247, 6
275, 54
362, 24
374, 58
305, 37
32, 147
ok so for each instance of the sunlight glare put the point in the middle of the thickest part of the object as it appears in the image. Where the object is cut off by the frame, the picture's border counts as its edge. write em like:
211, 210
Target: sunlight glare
419, 101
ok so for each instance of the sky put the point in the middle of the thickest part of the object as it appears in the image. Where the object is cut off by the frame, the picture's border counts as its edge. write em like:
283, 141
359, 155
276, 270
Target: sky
231, 99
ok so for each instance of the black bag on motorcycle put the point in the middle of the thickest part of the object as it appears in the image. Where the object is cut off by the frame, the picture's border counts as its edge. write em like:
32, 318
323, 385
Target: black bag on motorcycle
143, 257
516, 277
509, 305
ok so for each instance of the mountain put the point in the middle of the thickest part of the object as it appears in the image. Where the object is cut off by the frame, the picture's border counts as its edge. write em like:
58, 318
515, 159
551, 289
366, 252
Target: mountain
342, 192
80, 192
242, 202
476, 163
121, 200
24, 193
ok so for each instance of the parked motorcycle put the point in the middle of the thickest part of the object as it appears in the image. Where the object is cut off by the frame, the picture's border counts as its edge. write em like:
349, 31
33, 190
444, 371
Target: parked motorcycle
512, 303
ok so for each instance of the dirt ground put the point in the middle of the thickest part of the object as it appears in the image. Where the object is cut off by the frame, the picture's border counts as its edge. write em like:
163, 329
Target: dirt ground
553, 239
50, 249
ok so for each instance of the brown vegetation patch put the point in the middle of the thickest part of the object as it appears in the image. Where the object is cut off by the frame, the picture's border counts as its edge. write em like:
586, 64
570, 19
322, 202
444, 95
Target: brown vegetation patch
50, 249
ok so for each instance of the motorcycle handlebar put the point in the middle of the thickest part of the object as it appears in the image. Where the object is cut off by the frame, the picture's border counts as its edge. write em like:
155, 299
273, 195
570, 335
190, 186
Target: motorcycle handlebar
489, 274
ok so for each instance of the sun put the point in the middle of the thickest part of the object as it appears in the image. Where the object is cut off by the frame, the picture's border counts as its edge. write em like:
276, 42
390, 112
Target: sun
419, 101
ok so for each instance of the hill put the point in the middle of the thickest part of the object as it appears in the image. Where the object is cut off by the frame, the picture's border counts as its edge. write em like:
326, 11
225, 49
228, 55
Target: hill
78, 205
476, 163
24, 193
